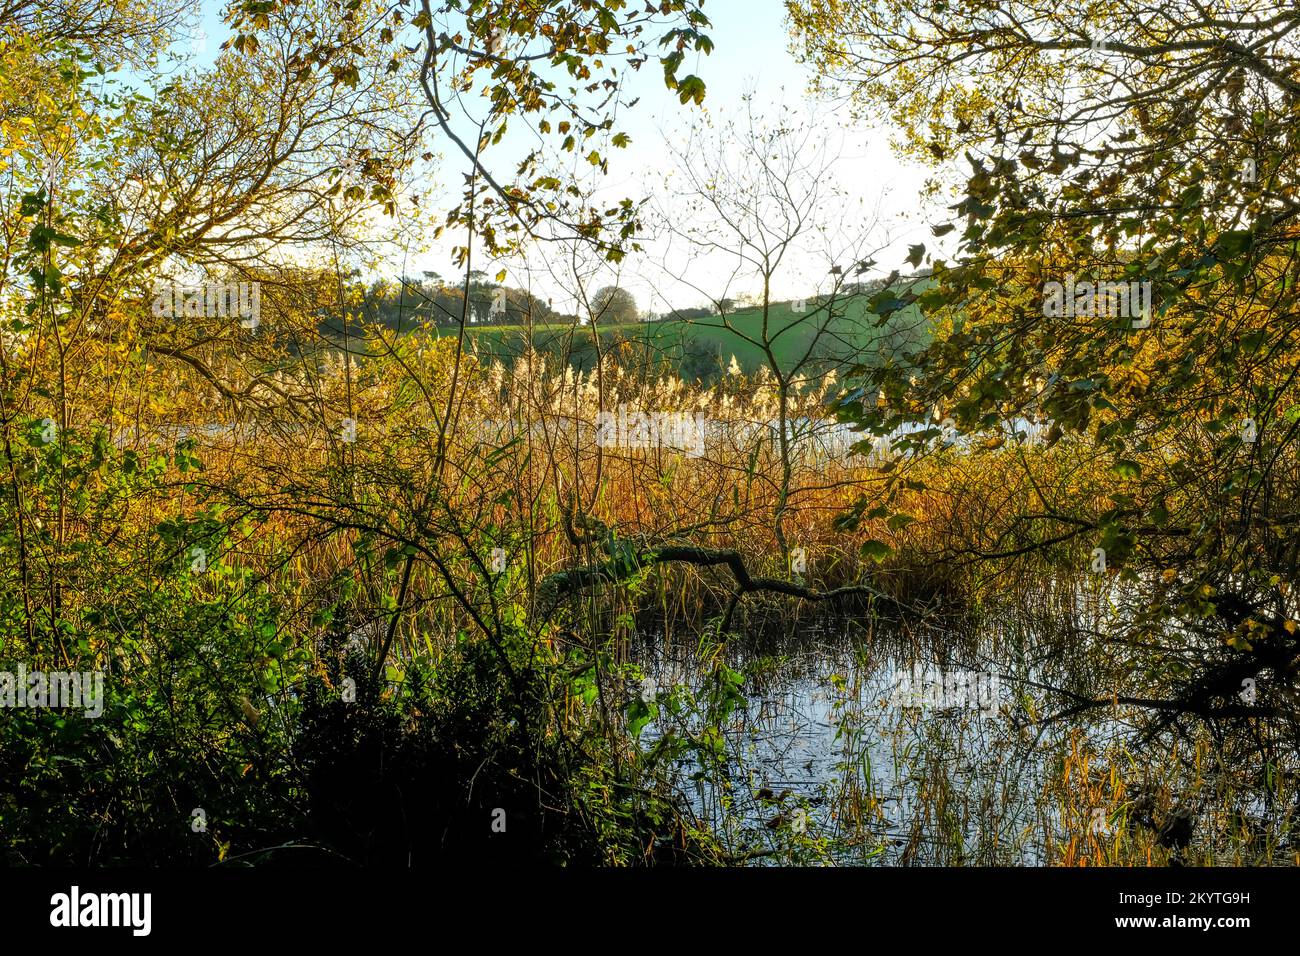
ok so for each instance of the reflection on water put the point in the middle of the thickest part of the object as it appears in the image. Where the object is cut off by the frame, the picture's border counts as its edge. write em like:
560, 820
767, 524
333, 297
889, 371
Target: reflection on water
856, 744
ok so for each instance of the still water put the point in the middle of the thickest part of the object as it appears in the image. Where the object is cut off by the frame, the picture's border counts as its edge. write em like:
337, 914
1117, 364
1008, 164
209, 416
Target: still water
855, 744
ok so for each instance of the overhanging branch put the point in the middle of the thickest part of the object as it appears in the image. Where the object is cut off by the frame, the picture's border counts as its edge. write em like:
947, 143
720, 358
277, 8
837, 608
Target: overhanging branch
560, 584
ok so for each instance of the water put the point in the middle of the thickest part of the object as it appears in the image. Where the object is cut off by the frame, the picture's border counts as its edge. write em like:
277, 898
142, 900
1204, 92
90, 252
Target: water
811, 439
830, 749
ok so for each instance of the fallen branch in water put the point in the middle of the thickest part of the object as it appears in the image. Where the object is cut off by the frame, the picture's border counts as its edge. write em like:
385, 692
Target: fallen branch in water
555, 587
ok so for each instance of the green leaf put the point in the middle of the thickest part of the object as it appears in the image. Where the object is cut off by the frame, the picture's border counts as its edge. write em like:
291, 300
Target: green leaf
639, 713
691, 89
900, 521
875, 550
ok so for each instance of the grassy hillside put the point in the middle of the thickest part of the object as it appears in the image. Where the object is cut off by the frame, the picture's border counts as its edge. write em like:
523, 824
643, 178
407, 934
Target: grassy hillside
700, 348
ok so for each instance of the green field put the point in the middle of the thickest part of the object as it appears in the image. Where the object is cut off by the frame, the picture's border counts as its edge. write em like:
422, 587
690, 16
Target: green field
698, 348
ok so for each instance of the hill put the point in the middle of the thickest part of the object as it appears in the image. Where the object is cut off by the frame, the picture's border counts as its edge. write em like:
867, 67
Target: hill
701, 349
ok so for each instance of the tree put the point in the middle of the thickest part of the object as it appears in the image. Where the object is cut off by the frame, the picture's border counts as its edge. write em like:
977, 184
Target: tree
554, 65
612, 305
1141, 146
120, 547
767, 194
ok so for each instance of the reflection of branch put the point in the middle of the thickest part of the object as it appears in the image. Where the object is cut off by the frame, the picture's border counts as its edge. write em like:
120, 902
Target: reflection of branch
1169, 706
1223, 681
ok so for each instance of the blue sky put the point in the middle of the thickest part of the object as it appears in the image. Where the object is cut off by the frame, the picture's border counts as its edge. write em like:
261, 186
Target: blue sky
751, 55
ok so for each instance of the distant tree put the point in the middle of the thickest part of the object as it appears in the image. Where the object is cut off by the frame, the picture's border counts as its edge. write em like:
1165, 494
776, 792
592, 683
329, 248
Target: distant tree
614, 305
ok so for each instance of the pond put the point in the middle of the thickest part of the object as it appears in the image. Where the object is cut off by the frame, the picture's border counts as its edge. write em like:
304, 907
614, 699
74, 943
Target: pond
861, 743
